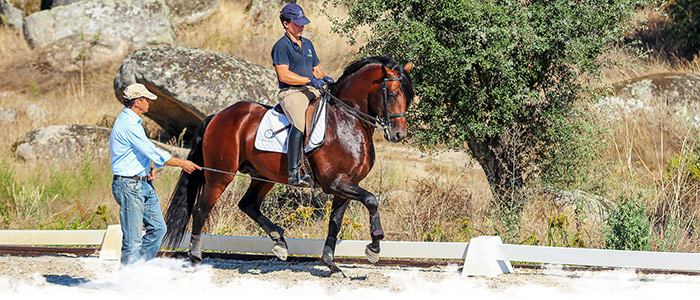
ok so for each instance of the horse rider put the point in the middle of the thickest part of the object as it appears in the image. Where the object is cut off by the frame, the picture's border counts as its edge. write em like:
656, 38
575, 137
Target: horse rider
131, 154
300, 79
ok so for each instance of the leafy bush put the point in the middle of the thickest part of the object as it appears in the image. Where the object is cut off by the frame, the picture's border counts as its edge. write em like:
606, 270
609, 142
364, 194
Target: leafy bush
628, 226
686, 16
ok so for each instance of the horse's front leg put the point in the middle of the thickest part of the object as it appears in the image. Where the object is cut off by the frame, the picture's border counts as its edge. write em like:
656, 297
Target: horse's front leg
352, 191
335, 223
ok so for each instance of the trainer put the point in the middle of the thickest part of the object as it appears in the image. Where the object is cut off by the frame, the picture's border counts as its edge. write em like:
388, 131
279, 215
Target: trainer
131, 155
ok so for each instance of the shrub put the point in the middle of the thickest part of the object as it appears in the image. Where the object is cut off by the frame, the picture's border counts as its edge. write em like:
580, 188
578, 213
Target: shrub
686, 17
628, 226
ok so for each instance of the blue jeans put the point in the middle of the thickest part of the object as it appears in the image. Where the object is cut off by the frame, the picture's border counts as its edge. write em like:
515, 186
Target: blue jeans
139, 207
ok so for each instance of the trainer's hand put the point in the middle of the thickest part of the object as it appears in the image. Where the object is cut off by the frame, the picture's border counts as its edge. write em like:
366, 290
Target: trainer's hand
186, 165
328, 79
189, 167
317, 82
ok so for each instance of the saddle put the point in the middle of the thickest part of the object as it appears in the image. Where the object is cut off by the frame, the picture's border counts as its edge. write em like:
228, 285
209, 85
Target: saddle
274, 126
313, 115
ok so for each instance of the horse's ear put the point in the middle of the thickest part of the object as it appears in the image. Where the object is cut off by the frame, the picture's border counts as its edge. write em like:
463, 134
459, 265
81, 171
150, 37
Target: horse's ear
408, 67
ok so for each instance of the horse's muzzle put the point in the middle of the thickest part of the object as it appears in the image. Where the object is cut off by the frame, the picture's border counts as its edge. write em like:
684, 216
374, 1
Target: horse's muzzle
394, 136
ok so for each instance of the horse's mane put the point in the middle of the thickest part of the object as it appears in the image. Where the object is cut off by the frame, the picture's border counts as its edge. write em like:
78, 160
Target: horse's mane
406, 83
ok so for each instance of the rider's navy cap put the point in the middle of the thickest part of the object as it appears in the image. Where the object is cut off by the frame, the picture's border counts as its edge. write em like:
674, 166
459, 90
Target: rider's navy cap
295, 13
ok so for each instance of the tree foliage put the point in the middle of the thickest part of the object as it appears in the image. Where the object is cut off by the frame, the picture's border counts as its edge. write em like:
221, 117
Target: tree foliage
498, 79
685, 15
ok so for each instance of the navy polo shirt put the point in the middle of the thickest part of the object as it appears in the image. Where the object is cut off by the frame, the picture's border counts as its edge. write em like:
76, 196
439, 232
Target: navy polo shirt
300, 60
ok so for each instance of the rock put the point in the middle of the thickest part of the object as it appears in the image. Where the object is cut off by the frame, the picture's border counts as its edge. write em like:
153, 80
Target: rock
69, 143
54, 3
139, 22
11, 15
594, 208
192, 84
90, 50
191, 11
32, 112
8, 115
63, 142
263, 10
35, 113
672, 88
680, 92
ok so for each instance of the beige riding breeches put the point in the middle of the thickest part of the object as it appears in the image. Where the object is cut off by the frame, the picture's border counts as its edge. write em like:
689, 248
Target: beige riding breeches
294, 101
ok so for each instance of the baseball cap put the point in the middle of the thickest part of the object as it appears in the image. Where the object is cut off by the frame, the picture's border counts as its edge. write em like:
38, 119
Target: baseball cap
137, 90
295, 13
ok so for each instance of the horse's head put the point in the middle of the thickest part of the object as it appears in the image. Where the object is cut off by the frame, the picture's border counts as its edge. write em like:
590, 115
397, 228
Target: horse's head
381, 89
392, 98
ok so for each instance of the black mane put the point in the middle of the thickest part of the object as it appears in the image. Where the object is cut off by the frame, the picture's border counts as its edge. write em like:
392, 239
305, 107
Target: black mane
406, 83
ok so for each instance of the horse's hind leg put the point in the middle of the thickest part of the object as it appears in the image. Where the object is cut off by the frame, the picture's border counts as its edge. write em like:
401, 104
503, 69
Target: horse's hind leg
335, 223
250, 205
211, 193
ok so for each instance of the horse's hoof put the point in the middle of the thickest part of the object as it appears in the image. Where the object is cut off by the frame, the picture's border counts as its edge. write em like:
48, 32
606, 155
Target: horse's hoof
280, 252
372, 257
336, 272
195, 258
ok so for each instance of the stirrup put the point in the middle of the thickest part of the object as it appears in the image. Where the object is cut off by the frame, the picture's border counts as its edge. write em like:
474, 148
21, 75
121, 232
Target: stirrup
298, 179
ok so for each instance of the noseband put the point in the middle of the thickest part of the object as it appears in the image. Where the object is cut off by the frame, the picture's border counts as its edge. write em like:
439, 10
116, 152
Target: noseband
383, 116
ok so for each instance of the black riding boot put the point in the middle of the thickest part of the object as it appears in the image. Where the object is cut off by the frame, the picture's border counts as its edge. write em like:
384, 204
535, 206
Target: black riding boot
293, 148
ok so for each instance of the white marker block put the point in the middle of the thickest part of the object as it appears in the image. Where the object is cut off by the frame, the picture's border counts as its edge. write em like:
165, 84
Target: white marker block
484, 258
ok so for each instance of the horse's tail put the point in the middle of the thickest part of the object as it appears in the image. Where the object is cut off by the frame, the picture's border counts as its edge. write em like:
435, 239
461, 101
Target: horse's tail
187, 190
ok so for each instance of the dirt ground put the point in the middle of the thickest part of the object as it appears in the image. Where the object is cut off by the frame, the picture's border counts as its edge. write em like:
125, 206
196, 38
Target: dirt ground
45, 273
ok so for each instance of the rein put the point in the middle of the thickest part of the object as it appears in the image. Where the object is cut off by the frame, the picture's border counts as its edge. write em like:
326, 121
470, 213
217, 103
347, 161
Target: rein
382, 120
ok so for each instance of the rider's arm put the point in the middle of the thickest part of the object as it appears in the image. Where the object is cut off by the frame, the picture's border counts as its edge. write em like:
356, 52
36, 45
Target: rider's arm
289, 77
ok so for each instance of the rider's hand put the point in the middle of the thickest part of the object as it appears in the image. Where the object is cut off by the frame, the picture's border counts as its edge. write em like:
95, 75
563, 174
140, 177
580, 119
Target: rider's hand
328, 79
317, 82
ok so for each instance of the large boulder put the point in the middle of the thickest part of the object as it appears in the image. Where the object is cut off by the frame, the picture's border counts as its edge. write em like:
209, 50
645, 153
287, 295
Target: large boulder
11, 15
87, 51
62, 142
192, 84
680, 92
68, 143
573, 202
672, 88
191, 11
139, 22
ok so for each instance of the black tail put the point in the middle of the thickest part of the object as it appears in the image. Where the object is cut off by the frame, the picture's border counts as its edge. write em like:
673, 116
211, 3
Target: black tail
187, 190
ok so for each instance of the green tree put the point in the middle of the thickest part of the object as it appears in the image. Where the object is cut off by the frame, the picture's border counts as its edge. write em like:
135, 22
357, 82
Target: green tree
685, 15
498, 79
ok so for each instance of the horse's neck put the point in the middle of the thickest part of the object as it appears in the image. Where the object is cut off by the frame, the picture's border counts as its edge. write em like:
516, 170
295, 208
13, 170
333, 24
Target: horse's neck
344, 117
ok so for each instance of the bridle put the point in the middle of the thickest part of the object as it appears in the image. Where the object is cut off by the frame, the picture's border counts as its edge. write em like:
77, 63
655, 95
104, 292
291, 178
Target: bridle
383, 118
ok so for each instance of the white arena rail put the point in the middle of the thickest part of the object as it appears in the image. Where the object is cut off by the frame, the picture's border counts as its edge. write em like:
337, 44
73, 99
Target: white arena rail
483, 256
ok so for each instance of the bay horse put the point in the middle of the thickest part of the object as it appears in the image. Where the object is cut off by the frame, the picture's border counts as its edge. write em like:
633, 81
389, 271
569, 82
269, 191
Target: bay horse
373, 89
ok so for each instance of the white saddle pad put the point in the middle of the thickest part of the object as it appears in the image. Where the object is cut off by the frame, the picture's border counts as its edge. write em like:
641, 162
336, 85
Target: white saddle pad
273, 121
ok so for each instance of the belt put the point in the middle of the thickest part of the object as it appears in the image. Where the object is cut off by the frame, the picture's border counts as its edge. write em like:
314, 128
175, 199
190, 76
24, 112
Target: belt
142, 178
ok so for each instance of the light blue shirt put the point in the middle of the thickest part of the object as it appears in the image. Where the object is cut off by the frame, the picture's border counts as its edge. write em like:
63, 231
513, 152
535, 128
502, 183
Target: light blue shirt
130, 149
